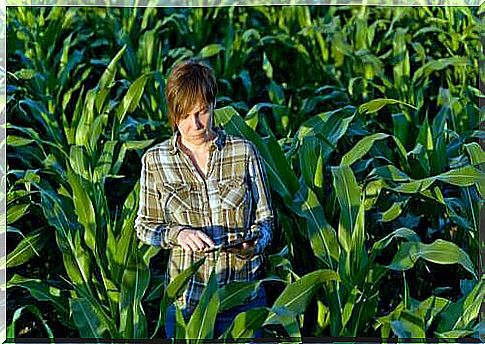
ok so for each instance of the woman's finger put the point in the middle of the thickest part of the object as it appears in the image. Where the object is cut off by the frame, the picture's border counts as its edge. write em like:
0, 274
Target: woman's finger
192, 246
206, 239
184, 246
197, 242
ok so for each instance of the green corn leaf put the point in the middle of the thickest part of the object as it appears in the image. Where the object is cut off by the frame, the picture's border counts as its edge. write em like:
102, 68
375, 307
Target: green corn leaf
18, 141
425, 138
475, 152
252, 117
84, 209
82, 258
76, 118
361, 148
414, 186
90, 320
99, 102
202, 322
178, 285
138, 145
330, 125
79, 162
276, 94
277, 166
400, 52
210, 50
246, 323
175, 290
439, 252
349, 306
236, 293
16, 195
103, 166
132, 98
42, 291
465, 176
287, 318
437, 65
377, 104
408, 326
435, 194
296, 296
280, 175
463, 314
28, 248
11, 229
83, 128
109, 74
358, 244
180, 324
403, 232
439, 156
267, 67
458, 333
26, 74
60, 215
372, 191
311, 161
15, 212
401, 127
118, 248
97, 128
416, 320
45, 119
135, 282
429, 308
393, 212
321, 234
348, 195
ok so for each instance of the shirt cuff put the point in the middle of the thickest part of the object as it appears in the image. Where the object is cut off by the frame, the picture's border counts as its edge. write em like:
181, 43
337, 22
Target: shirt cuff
172, 234
263, 236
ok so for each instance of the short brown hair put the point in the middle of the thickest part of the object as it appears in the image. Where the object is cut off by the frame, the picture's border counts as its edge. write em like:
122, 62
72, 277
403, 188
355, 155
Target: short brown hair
189, 81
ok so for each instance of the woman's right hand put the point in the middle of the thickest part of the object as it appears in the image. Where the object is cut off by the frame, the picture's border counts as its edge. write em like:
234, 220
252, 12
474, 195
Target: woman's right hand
194, 240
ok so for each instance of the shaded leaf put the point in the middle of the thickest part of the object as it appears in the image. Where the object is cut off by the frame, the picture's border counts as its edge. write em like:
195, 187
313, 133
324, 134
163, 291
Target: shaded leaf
439, 252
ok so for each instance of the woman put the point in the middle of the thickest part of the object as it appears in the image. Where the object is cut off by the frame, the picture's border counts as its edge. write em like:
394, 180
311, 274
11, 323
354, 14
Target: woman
204, 194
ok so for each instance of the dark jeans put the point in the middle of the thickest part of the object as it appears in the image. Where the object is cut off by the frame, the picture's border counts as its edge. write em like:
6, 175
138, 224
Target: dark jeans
223, 320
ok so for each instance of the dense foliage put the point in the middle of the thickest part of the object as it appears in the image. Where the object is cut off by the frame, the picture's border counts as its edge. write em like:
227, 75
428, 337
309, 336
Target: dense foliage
367, 119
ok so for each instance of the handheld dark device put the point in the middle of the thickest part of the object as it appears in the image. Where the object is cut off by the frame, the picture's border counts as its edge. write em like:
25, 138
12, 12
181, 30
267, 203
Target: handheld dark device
235, 244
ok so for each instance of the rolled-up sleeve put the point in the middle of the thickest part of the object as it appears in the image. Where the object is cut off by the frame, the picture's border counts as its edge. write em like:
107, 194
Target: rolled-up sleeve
262, 227
150, 224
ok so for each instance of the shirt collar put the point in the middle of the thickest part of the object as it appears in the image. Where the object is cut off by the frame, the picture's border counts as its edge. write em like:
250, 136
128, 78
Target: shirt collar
218, 142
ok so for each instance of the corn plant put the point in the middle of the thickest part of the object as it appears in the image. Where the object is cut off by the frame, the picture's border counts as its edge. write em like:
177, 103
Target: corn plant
107, 275
351, 304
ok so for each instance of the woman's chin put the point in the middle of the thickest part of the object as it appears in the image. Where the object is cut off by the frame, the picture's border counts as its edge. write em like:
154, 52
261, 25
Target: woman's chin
197, 140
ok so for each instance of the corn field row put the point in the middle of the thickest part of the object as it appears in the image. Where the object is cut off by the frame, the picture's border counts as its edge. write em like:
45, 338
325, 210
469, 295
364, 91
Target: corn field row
367, 120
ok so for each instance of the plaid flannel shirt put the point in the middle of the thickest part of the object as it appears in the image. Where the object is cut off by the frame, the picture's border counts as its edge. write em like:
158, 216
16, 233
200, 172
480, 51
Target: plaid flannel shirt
230, 204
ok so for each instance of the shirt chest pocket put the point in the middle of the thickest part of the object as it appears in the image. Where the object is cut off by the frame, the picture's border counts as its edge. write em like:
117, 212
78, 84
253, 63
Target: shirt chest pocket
180, 197
232, 192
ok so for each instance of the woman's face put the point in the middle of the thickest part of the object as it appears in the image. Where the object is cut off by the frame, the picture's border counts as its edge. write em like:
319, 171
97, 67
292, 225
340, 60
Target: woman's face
196, 127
